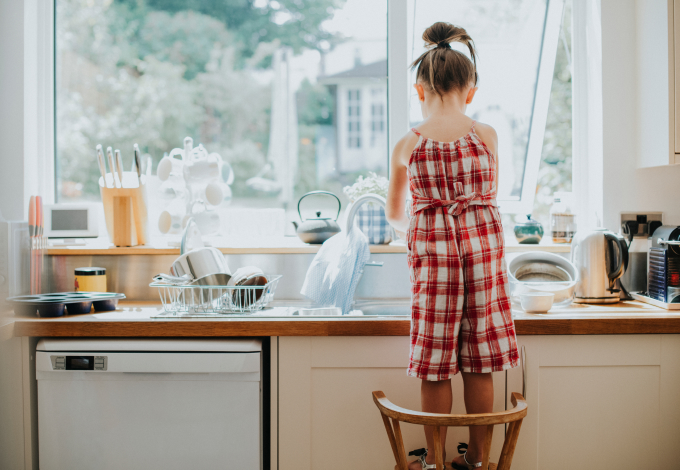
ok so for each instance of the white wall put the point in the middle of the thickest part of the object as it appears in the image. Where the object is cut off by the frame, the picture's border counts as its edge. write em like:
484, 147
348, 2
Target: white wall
627, 187
26, 91
11, 108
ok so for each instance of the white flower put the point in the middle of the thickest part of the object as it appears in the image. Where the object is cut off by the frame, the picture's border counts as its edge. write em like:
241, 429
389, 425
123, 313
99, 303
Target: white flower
372, 184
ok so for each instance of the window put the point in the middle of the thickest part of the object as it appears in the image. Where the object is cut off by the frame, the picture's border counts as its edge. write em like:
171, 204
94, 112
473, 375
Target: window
276, 87
516, 41
354, 119
294, 94
377, 117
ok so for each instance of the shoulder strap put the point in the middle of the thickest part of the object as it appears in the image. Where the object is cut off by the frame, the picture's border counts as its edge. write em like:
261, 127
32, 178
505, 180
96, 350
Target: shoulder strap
415, 131
472, 128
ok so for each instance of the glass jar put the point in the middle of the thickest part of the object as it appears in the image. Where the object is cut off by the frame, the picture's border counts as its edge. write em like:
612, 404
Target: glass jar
90, 279
562, 219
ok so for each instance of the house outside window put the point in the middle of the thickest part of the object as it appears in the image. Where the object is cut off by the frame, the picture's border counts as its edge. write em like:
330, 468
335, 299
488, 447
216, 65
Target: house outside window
362, 86
377, 115
354, 119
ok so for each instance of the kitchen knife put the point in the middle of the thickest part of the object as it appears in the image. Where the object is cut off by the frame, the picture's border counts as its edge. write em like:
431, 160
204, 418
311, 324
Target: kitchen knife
119, 167
149, 165
137, 162
112, 166
102, 163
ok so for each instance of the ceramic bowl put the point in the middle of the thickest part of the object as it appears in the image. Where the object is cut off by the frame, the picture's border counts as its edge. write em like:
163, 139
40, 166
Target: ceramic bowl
537, 302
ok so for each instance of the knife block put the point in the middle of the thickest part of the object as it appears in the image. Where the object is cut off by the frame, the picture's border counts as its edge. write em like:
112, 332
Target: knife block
125, 211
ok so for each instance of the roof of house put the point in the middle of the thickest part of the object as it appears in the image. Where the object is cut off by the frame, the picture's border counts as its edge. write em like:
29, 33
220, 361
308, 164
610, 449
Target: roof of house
372, 70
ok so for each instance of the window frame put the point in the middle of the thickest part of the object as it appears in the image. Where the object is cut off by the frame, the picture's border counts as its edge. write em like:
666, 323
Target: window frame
397, 112
398, 97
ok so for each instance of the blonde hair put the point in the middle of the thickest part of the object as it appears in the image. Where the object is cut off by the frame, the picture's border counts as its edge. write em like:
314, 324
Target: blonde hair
444, 69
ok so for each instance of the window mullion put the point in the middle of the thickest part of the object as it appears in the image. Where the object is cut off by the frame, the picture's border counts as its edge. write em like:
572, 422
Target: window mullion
539, 116
397, 71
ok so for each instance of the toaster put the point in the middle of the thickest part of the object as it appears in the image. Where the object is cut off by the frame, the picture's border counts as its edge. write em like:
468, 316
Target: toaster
663, 265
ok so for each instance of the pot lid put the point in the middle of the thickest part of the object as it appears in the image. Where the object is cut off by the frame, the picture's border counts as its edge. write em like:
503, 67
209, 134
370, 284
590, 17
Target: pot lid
318, 217
529, 221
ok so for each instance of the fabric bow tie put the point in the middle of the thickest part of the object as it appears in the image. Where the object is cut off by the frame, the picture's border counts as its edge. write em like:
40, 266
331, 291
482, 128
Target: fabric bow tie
454, 206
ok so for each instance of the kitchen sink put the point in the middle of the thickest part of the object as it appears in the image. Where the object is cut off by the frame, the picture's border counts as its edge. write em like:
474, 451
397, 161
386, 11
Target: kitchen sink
399, 307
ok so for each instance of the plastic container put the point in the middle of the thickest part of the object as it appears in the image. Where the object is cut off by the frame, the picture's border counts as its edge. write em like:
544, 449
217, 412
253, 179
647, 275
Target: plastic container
537, 302
90, 279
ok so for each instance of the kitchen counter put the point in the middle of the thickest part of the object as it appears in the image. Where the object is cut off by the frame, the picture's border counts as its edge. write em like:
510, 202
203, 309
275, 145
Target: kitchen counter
133, 319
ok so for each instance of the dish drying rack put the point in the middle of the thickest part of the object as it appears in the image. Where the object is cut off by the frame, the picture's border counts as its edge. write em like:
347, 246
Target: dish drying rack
190, 300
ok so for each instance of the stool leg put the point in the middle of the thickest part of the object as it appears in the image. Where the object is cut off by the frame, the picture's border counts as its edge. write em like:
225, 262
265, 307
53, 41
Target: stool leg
403, 464
487, 446
509, 445
390, 436
438, 452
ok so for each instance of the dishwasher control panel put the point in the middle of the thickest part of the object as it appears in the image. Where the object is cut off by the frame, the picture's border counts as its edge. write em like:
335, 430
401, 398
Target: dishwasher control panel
79, 362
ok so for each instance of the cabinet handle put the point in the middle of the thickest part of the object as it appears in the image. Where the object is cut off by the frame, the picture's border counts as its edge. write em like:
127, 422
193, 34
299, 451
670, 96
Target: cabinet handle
524, 372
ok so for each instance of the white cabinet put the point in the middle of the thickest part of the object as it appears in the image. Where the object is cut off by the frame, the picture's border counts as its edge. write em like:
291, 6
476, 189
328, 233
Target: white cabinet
326, 415
599, 402
674, 78
674, 74
654, 59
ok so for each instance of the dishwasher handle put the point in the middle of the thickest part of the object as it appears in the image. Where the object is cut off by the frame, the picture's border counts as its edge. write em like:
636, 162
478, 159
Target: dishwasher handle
149, 362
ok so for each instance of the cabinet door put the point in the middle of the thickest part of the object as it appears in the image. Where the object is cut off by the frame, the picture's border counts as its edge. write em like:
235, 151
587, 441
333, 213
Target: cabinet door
674, 45
599, 402
326, 415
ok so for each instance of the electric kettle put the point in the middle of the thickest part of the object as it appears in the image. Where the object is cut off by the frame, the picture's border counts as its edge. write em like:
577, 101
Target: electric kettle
601, 257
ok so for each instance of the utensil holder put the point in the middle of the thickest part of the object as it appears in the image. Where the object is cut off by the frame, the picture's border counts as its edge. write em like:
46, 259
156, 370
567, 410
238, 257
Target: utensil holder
126, 214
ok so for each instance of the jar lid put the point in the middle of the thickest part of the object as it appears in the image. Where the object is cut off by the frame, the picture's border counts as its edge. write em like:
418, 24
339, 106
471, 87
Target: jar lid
90, 271
530, 221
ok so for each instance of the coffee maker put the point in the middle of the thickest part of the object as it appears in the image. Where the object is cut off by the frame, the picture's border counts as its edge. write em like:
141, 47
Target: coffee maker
637, 228
663, 265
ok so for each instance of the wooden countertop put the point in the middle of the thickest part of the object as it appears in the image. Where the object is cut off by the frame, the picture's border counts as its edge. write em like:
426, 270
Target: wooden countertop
134, 320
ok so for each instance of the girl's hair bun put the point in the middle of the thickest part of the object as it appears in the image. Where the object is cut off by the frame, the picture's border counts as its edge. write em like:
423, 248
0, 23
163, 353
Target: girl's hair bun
441, 67
442, 33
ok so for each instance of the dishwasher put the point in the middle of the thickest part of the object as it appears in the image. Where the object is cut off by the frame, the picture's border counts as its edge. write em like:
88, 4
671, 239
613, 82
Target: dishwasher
114, 404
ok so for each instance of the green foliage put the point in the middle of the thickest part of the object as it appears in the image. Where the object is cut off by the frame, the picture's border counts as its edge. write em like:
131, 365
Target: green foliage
293, 22
314, 103
154, 71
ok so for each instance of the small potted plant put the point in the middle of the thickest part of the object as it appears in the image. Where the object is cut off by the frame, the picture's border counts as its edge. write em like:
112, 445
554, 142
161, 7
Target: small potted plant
371, 217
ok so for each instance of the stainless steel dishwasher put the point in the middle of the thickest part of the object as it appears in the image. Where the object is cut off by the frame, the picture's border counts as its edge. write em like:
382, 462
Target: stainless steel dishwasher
149, 404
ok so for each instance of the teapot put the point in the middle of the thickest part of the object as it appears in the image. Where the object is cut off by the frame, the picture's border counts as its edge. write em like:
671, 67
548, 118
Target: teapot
319, 229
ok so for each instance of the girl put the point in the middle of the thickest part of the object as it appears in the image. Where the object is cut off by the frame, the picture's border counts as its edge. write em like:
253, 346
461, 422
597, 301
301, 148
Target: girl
460, 314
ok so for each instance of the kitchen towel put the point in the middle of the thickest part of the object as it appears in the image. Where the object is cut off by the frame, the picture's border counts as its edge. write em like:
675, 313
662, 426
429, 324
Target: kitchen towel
336, 269
373, 223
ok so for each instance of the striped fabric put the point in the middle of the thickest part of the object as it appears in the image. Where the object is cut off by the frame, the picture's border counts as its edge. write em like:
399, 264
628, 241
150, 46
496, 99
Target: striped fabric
372, 221
460, 318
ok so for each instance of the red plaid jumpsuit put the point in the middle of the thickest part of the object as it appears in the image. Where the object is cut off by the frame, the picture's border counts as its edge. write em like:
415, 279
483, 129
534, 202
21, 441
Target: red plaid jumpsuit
460, 315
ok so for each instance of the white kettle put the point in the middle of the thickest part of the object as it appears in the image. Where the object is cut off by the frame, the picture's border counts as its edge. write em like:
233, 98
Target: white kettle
601, 258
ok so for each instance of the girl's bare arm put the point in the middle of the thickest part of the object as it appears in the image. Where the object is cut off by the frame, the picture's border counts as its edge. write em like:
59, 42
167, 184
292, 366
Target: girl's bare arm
398, 189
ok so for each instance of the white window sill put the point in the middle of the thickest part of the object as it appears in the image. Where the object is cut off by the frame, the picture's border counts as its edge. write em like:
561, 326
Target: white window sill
284, 245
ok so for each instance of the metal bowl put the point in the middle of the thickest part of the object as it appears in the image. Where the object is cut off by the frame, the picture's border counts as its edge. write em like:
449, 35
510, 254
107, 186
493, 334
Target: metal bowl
542, 272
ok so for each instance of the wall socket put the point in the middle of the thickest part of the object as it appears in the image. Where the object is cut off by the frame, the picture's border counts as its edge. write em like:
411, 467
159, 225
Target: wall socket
640, 222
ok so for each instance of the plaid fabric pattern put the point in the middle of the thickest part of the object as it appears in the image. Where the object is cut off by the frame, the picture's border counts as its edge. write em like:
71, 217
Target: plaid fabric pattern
373, 223
460, 316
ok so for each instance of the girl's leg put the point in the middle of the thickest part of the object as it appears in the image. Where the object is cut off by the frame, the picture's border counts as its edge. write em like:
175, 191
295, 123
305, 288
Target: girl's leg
435, 397
478, 391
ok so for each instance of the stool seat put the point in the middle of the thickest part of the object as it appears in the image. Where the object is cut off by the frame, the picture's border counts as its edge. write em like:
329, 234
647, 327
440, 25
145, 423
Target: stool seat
392, 415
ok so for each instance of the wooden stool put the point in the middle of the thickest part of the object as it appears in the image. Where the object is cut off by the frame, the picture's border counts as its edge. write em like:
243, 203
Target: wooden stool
514, 417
